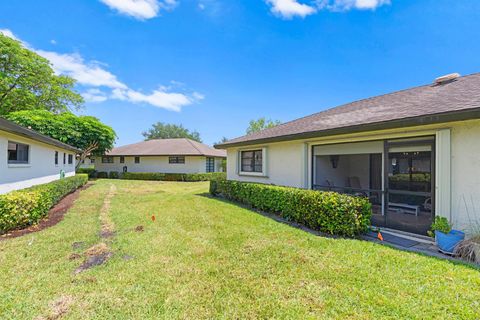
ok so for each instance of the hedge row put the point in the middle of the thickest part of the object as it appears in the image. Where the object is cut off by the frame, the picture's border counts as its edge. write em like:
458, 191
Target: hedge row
328, 212
190, 177
26, 207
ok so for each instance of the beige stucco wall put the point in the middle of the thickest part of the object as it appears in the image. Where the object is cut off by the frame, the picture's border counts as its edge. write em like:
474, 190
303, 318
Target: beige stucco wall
465, 175
458, 163
193, 164
40, 169
285, 164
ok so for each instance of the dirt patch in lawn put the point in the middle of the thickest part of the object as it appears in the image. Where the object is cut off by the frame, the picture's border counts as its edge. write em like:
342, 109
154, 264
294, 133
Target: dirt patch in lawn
58, 308
55, 215
99, 253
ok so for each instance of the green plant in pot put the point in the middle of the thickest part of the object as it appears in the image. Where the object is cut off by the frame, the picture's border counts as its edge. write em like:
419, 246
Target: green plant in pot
445, 237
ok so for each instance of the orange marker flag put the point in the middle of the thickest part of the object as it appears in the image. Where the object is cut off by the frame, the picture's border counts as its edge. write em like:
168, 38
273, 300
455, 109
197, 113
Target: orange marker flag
153, 217
379, 236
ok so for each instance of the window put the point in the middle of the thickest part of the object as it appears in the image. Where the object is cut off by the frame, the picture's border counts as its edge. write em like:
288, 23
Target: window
176, 159
251, 161
17, 153
64, 158
56, 158
210, 164
107, 159
122, 159
70, 159
137, 159
92, 160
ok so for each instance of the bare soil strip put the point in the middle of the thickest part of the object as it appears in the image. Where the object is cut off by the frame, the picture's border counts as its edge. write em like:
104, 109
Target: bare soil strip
55, 215
100, 252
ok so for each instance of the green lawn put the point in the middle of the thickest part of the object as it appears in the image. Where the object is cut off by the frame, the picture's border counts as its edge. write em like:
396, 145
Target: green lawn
206, 258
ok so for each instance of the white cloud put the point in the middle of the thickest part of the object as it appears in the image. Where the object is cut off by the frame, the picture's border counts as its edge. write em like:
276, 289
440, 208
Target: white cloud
290, 8
161, 98
73, 65
95, 79
342, 5
140, 9
94, 95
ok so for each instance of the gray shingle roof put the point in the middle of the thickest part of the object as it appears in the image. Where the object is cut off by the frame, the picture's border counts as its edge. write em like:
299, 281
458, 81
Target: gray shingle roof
419, 105
14, 128
166, 147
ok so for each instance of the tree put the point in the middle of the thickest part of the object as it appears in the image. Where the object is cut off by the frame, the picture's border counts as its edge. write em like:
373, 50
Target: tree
261, 124
223, 140
28, 82
83, 132
162, 130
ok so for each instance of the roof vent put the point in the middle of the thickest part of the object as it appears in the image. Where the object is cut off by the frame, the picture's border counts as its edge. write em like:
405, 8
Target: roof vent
446, 79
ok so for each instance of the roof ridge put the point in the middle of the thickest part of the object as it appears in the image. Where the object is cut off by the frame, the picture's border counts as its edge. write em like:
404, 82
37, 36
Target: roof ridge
354, 101
191, 142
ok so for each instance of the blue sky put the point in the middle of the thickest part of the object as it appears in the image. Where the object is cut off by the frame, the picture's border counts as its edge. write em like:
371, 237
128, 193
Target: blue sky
212, 65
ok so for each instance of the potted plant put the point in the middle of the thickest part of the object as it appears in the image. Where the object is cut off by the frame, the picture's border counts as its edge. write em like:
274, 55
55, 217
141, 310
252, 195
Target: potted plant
445, 237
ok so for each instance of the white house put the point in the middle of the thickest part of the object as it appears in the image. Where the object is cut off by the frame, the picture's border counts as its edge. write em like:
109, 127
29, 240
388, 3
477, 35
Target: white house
162, 155
28, 158
414, 153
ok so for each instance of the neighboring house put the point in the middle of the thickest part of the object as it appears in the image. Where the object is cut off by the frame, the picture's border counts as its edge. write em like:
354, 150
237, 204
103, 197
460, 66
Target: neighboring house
29, 158
162, 155
415, 153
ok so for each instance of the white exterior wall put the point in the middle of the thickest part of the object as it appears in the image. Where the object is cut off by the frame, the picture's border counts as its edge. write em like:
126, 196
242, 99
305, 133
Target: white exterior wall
457, 187
40, 169
465, 176
285, 164
193, 164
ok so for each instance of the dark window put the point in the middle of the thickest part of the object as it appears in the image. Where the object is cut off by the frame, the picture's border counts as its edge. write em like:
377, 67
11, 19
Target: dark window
122, 159
176, 159
70, 159
137, 159
17, 152
252, 161
64, 158
107, 159
92, 160
56, 157
210, 164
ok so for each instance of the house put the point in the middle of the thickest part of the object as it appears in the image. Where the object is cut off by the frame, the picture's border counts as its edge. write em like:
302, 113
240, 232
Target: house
29, 158
414, 153
162, 155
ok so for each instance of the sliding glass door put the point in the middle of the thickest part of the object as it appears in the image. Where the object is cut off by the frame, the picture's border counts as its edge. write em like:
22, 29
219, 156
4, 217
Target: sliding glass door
409, 180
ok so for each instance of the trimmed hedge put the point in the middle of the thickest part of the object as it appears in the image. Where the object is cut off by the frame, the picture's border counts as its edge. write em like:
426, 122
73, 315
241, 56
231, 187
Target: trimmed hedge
188, 177
26, 207
328, 212
92, 173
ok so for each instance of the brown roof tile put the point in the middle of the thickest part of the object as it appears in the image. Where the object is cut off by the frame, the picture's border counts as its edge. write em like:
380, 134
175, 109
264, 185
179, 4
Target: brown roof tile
462, 94
165, 147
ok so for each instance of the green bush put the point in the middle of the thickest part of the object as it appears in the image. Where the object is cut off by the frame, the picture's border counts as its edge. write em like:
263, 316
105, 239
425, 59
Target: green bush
113, 175
190, 177
90, 171
102, 175
26, 207
440, 224
328, 212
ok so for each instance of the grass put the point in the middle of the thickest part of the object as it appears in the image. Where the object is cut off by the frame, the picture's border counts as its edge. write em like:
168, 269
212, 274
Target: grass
206, 258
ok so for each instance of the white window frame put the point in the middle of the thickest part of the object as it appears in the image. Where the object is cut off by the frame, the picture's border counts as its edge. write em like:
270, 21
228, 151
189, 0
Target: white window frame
263, 173
20, 164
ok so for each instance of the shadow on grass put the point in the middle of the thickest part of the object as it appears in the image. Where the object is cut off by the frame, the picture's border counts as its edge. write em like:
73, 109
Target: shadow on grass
296, 225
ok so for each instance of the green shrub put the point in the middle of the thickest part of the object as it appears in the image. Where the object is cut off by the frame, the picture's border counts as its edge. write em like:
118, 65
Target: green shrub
328, 212
113, 175
440, 224
190, 177
102, 175
26, 207
90, 171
